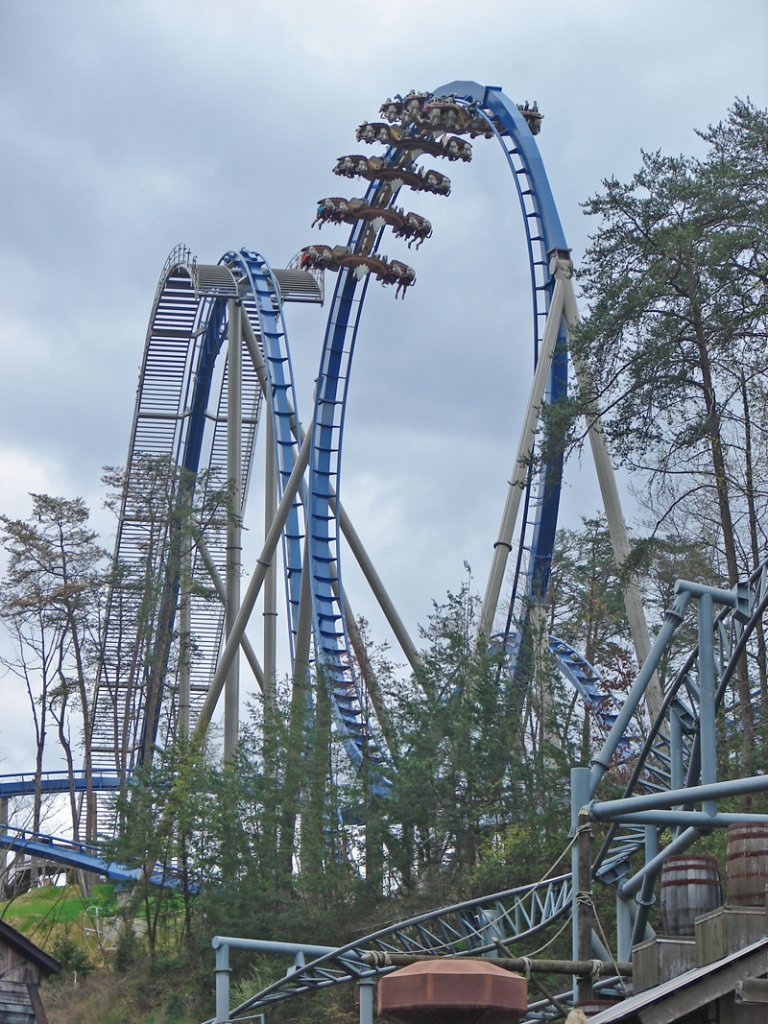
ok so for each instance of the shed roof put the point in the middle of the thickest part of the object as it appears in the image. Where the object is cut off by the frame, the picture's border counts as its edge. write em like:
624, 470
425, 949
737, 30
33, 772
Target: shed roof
46, 964
687, 992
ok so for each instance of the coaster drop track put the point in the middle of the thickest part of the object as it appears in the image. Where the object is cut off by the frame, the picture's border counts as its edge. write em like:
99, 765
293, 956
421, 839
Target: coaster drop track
134, 707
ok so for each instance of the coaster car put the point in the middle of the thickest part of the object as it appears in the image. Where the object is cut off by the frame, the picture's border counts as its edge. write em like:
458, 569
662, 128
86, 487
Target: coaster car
415, 229
338, 210
374, 168
446, 115
449, 146
323, 257
533, 117
379, 131
399, 274
404, 108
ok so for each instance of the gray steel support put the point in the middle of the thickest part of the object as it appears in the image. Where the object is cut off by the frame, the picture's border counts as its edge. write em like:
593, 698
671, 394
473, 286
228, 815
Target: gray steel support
579, 801
677, 773
603, 809
270, 583
291, 949
680, 844
694, 819
503, 544
599, 952
223, 971
304, 624
617, 528
623, 928
707, 737
234, 540
252, 591
737, 598
366, 672
378, 589
672, 619
185, 639
645, 898
366, 988
218, 586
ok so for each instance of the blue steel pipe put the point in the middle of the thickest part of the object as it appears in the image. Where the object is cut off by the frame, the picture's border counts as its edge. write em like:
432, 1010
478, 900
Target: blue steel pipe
645, 898
285, 948
694, 819
678, 845
672, 619
602, 809
707, 734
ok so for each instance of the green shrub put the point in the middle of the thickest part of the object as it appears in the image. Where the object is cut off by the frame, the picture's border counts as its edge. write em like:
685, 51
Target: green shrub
72, 957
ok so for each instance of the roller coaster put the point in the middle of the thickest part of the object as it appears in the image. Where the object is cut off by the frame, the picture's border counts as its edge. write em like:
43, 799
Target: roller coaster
216, 367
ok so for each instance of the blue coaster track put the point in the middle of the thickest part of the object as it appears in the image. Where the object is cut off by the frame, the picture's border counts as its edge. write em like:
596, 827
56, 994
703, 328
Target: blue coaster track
544, 236
173, 423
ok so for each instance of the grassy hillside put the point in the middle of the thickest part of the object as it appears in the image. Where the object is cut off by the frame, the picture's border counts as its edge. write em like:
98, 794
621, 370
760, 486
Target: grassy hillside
107, 976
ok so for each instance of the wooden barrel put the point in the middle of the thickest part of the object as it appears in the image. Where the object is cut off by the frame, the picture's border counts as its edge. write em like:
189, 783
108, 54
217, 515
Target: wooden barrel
746, 868
690, 886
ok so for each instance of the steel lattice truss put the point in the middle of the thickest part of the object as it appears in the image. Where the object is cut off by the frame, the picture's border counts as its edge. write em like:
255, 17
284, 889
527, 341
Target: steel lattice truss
470, 928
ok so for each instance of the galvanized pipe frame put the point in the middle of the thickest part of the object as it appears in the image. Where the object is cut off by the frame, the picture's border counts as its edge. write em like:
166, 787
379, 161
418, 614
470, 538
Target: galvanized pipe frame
671, 808
733, 626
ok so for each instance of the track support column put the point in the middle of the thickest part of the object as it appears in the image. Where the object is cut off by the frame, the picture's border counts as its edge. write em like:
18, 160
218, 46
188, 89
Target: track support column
366, 988
223, 971
234, 540
581, 873
617, 528
270, 583
503, 545
185, 634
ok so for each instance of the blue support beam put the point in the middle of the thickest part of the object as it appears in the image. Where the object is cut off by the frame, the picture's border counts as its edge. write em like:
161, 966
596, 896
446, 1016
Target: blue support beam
24, 784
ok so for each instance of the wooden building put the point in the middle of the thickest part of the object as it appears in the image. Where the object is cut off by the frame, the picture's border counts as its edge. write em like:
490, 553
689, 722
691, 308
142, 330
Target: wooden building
719, 976
22, 966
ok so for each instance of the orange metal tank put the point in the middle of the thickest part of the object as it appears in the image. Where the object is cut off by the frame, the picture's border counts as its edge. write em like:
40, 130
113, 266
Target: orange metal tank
453, 991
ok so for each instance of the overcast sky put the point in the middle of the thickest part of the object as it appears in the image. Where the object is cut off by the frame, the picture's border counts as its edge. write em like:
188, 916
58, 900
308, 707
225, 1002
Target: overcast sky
128, 127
